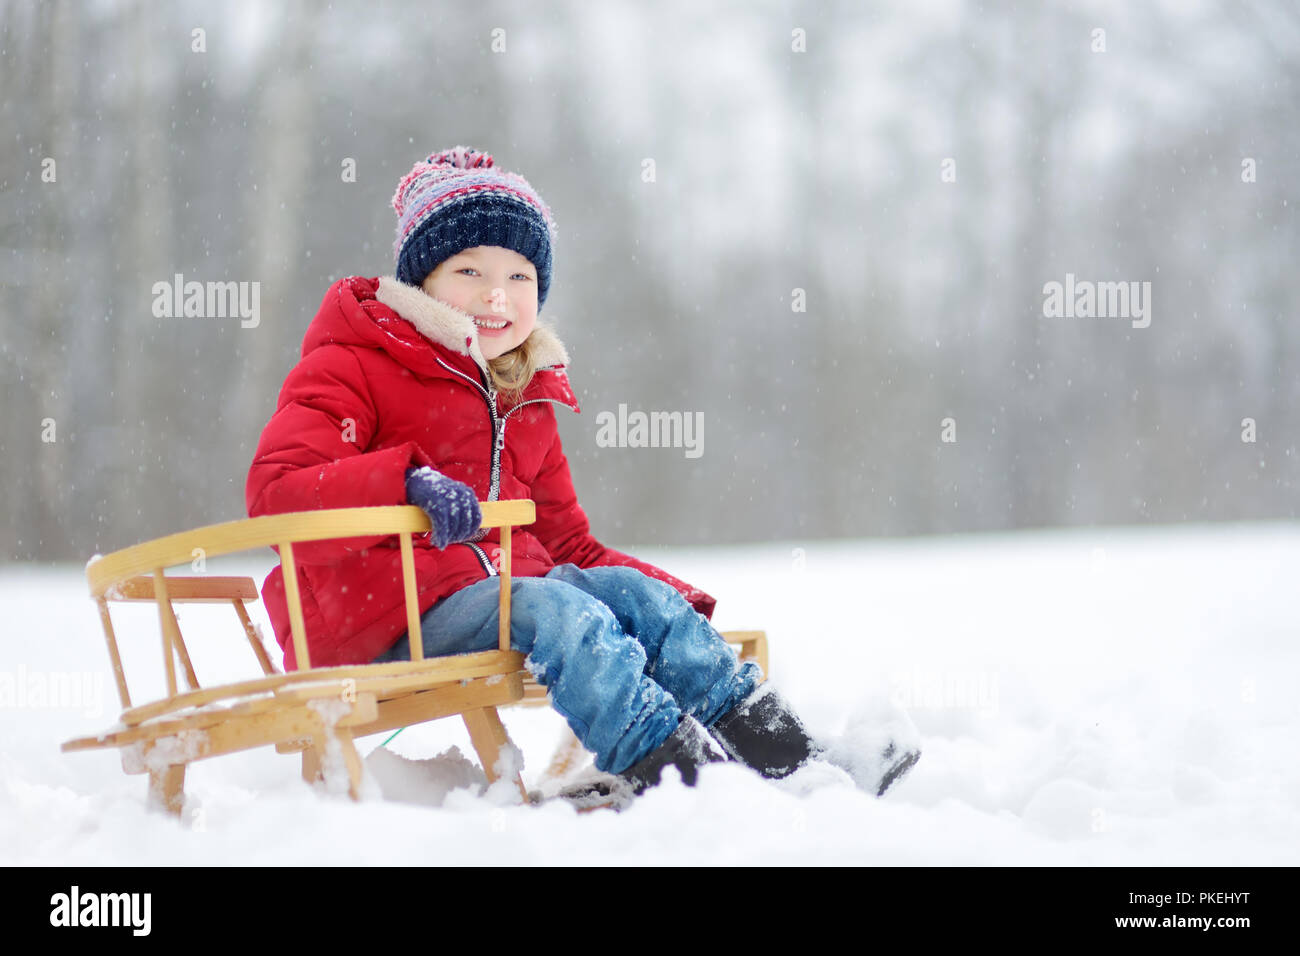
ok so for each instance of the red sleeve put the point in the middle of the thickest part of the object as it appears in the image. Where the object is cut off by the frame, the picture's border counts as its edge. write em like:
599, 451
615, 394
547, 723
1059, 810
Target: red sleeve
564, 531
311, 455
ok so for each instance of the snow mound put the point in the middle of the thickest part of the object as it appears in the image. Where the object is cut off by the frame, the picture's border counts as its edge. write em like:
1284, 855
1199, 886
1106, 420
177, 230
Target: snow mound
424, 782
878, 733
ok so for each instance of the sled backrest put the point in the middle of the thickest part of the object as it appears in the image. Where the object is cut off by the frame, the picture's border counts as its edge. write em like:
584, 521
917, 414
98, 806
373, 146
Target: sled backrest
137, 573
205, 589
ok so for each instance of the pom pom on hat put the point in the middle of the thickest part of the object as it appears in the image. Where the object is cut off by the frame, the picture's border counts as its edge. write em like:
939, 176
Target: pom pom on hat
458, 198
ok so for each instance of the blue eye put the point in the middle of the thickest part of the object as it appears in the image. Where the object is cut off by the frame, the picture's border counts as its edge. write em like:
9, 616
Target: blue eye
518, 275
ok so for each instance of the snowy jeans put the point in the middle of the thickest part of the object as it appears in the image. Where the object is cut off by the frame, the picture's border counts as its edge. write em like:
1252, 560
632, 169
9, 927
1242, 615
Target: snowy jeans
623, 655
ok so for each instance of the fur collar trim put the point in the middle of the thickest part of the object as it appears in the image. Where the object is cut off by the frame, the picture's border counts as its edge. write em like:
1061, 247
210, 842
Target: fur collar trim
454, 329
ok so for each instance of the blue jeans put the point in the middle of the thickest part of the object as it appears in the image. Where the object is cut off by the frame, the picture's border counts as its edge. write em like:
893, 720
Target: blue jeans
622, 654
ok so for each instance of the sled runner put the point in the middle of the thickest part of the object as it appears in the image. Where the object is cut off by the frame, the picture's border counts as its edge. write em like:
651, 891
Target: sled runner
316, 711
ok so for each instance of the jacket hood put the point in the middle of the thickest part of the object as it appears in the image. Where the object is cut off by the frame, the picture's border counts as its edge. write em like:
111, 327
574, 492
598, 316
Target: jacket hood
418, 330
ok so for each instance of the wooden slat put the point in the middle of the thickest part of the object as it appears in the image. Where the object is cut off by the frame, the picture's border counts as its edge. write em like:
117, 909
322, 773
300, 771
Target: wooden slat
262, 729
294, 599
253, 639
414, 633
503, 614
119, 675
566, 756
200, 720
167, 789
167, 619
385, 687
439, 669
405, 708
211, 721
534, 693
268, 530
153, 730
351, 760
184, 652
311, 761
753, 646
382, 687
206, 590
441, 702
488, 735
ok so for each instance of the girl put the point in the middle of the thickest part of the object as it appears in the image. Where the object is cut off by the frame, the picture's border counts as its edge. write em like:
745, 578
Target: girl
438, 387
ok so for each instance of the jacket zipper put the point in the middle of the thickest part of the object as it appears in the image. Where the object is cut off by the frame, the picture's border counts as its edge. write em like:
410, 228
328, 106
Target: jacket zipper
498, 444
490, 396
482, 557
499, 435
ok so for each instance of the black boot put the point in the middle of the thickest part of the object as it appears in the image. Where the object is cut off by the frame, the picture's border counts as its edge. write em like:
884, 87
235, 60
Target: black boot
687, 748
764, 733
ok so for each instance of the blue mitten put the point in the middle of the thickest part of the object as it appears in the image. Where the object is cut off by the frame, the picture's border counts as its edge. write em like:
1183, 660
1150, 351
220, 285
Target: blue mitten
451, 505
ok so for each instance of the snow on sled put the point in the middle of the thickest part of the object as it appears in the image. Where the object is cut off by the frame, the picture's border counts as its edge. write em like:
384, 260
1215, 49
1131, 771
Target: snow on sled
316, 711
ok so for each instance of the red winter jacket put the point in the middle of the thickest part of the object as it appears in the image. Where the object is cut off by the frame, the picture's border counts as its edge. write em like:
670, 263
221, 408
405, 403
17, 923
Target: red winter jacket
390, 378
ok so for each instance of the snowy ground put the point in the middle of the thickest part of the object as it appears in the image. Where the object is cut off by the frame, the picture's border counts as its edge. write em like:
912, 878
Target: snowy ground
1117, 696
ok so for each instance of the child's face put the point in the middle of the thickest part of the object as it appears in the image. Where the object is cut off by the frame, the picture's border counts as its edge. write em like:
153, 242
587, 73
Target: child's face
492, 285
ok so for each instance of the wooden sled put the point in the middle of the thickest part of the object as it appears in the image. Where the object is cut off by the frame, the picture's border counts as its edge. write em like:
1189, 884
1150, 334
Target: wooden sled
316, 711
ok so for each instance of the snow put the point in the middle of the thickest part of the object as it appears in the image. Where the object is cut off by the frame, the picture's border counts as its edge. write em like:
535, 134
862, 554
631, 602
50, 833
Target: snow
878, 734
1110, 696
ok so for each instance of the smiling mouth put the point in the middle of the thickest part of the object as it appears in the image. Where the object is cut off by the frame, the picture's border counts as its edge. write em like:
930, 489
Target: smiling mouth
485, 323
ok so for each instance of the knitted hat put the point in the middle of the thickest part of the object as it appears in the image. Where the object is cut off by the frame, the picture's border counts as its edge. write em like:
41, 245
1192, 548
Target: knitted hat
457, 199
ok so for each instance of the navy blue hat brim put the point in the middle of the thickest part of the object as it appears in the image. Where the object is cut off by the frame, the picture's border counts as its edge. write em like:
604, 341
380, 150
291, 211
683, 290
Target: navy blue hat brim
490, 220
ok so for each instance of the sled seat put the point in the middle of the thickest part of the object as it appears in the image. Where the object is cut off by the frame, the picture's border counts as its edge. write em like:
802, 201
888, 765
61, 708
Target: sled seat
316, 710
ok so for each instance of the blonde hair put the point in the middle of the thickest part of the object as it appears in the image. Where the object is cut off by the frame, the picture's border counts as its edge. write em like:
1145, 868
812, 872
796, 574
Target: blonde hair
512, 371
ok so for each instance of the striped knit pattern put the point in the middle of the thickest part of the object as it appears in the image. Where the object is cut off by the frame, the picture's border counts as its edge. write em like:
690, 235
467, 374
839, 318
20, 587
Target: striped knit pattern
457, 199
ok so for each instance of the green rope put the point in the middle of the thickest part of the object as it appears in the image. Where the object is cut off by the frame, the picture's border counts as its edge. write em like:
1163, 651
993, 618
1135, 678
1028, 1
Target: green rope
395, 733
